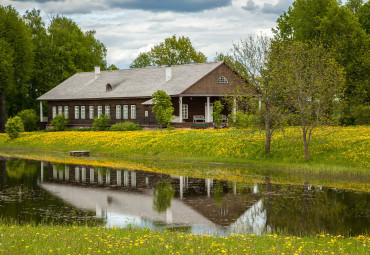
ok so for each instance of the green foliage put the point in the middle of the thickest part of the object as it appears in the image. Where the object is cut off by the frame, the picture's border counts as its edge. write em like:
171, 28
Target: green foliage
173, 51
100, 123
143, 60
59, 123
217, 116
162, 107
13, 127
162, 195
29, 119
18, 168
361, 115
245, 120
125, 126
340, 31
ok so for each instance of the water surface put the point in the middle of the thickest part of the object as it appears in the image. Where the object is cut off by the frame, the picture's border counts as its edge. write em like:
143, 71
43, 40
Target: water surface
44, 192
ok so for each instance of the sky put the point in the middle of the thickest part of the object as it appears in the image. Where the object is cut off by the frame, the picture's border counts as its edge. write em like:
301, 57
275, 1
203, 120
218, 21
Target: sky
129, 27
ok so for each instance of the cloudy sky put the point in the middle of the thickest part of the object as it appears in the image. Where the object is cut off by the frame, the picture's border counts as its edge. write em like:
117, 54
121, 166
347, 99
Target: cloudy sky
128, 27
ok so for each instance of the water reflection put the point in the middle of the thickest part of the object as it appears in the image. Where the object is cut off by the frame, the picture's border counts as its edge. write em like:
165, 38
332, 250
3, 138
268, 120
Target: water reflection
41, 191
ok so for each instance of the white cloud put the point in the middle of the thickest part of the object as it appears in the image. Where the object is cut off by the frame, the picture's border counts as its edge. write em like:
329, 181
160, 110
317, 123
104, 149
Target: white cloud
126, 33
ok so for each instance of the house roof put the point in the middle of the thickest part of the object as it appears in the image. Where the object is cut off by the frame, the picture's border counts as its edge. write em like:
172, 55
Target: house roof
138, 82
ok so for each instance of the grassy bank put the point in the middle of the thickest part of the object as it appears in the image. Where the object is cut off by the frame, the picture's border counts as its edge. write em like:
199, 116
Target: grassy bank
17, 239
332, 148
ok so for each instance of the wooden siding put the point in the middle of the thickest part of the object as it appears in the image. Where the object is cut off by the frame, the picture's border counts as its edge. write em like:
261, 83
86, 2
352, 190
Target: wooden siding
209, 83
140, 111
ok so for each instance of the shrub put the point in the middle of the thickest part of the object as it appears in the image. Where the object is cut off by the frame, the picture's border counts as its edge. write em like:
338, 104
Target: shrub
125, 126
217, 116
101, 122
59, 123
29, 119
13, 126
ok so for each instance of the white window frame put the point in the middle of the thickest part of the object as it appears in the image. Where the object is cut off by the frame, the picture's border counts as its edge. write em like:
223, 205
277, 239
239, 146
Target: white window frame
222, 80
185, 111
54, 111
133, 111
125, 112
100, 110
91, 112
83, 112
66, 115
60, 110
118, 112
77, 112
146, 113
107, 110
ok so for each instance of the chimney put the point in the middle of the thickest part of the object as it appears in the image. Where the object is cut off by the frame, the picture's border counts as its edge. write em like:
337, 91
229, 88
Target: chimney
97, 72
168, 74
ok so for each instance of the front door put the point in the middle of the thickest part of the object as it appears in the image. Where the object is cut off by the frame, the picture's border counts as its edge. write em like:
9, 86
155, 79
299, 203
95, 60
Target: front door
210, 112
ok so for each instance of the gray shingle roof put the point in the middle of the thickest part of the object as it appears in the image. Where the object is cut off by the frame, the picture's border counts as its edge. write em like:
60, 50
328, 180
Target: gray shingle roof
139, 82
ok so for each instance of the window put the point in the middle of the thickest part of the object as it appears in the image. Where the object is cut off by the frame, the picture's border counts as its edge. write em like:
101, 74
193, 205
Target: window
146, 114
60, 110
66, 115
118, 112
107, 110
222, 79
83, 110
54, 110
100, 110
91, 112
77, 112
133, 111
185, 111
125, 112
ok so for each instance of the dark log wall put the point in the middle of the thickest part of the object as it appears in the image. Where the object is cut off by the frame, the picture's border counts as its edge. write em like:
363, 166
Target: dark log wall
140, 110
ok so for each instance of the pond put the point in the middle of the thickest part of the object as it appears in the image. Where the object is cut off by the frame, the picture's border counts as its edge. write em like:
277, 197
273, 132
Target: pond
43, 192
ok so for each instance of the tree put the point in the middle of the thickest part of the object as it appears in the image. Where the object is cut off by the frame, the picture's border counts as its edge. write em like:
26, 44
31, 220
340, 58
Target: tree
29, 119
162, 108
340, 31
363, 15
17, 48
354, 5
311, 81
173, 51
6, 74
251, 56
14, 126
217, 116
162, 195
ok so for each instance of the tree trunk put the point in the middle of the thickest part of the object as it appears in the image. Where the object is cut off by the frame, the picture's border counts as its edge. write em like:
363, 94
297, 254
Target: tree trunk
268, 135
2, 113
306, 152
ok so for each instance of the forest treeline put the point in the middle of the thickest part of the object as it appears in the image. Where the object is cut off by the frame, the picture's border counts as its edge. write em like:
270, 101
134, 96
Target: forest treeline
36, 57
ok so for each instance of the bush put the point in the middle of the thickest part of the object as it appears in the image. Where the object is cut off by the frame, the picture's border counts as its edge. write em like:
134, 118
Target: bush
59, 123
29, 119
125, 126
13, 126
101, 122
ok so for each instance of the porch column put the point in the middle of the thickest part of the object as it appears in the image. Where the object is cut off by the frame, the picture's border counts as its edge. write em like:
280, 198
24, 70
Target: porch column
208, 110
42, 171
180, 109
41, 112
181, 187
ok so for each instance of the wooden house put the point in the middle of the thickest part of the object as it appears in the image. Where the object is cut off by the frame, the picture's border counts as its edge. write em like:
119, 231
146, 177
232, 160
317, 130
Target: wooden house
125, 95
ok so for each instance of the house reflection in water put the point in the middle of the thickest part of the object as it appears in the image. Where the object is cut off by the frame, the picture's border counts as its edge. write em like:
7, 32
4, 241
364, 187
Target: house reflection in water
146, 199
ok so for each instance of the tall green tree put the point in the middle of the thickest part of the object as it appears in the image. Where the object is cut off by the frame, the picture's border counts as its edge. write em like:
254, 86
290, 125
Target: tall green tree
339, 30
173, 51
363, 15
17, 47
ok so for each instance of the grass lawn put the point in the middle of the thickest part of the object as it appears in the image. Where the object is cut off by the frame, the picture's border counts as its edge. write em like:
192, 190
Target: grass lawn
40, 239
